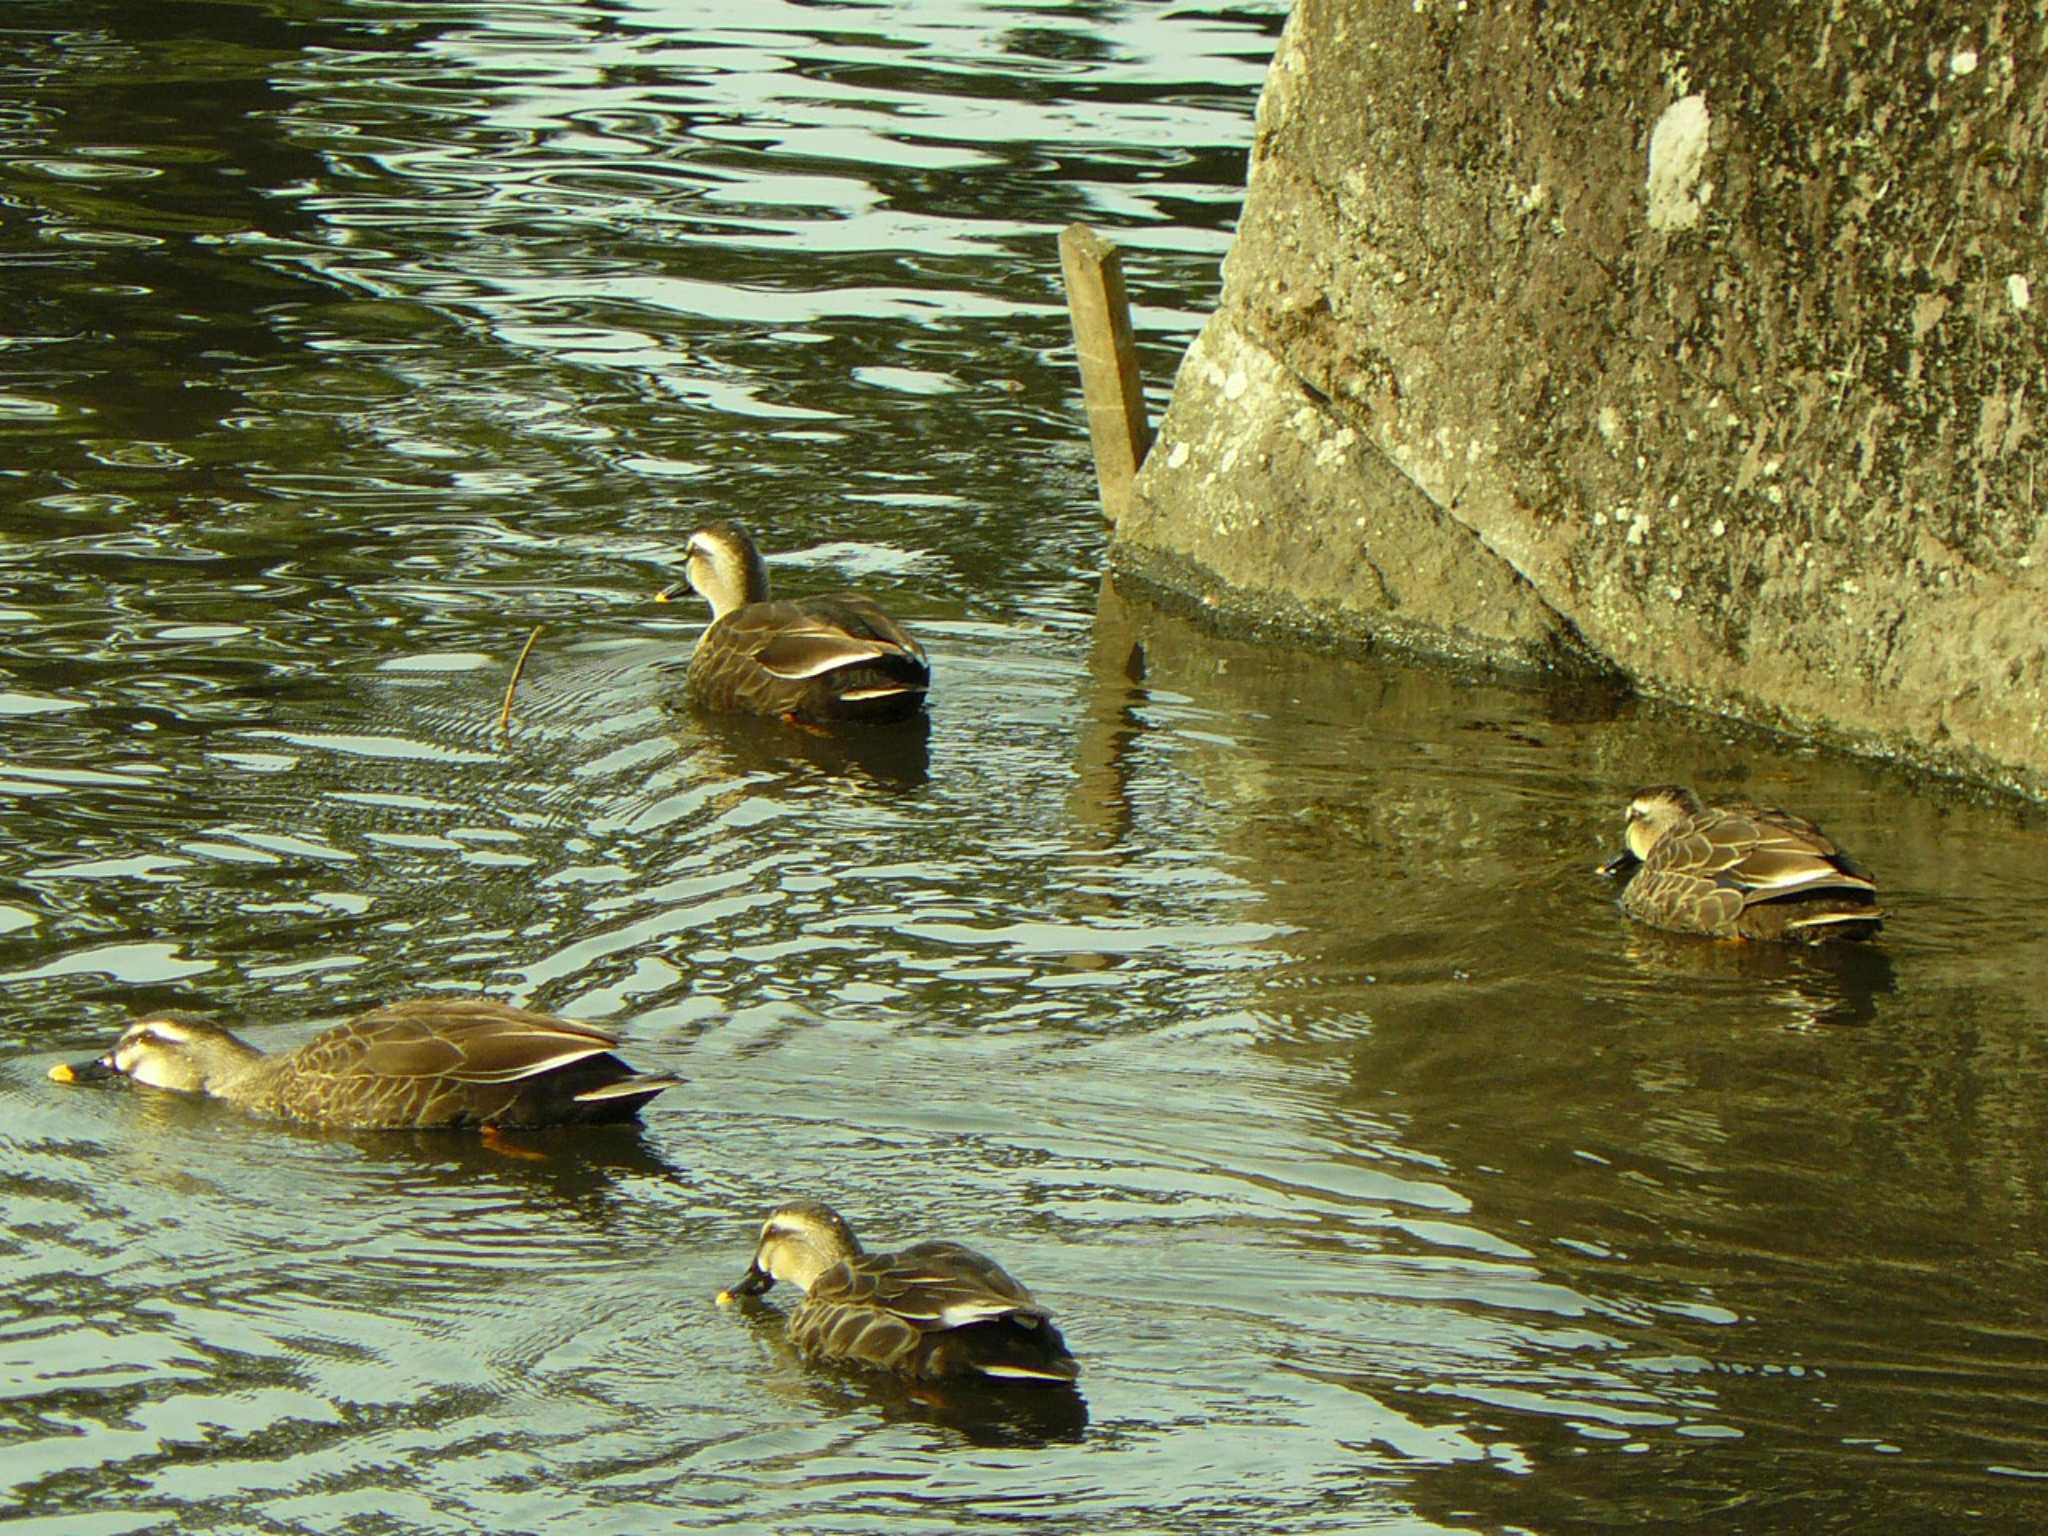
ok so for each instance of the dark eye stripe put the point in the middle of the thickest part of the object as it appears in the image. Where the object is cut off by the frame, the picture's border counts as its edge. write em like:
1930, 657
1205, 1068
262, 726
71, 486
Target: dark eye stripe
149, 1034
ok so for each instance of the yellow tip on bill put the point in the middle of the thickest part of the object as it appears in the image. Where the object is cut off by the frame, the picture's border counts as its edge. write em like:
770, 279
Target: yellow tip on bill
726, 1298
62, 1073
661, 596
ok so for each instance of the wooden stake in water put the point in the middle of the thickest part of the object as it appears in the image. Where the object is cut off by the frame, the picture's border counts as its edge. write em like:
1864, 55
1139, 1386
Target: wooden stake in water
1101, 314
519, 666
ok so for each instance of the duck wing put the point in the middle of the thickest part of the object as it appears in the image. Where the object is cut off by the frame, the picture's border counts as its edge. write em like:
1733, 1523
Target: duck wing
1751, 871
933, 1309
829, 658
809, 638
466, 1040
937, 1285
1770, 854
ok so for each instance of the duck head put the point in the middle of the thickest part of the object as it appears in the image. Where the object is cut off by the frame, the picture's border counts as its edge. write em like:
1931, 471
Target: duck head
722, 566
183, 1055
1652, 812
799, 1242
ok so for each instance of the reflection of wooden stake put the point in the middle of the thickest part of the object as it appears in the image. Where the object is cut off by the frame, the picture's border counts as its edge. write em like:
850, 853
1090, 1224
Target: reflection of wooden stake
519, 666
1109, 363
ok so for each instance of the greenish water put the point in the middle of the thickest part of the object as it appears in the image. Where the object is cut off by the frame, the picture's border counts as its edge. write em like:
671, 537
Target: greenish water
1260, 1010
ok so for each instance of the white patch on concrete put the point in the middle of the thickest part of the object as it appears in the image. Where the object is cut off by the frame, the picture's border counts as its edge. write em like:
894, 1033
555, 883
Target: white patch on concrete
1235, 386
1334, 448
1638, 527
1178, 457
1962, 62
1678, 152
2018, 292
1717, 528
1608, 423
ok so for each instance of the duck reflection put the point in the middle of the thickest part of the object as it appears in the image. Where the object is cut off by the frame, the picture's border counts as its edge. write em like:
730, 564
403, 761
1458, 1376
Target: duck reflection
580, 1173
1830, 985
894, 756
570, 1178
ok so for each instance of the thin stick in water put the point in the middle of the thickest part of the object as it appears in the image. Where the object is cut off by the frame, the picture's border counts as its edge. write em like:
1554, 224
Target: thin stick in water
519, 666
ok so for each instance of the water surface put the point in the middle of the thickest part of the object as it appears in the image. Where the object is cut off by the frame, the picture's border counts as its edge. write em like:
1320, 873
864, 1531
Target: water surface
1261, 1010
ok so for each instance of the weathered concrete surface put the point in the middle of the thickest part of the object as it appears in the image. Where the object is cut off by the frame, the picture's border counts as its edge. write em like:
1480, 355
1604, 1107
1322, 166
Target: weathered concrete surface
1703, 340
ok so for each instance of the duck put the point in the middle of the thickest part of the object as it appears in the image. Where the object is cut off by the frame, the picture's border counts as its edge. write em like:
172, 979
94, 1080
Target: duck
422, 1064
1739, 871
824, 660
932, 1311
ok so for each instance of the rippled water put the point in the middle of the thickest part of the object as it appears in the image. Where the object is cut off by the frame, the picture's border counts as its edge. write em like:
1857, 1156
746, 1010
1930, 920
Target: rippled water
1260, 1010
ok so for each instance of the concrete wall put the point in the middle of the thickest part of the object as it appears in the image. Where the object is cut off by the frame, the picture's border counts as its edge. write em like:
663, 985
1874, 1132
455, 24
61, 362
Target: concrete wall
1701, 342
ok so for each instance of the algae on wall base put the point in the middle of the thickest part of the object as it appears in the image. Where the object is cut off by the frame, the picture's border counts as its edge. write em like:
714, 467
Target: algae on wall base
1695, 341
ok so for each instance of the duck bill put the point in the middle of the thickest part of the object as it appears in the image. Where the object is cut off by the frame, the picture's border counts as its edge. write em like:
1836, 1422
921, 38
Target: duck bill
673, 591
752, 1283
1622, 863
83, 1071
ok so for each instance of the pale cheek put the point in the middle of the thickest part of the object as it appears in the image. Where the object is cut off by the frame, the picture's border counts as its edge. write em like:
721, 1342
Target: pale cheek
151, 1075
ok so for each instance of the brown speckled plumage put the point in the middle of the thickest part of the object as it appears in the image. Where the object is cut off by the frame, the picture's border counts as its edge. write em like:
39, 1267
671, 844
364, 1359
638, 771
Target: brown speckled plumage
832, 658
1740, 871
932, 1310
424, 1064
